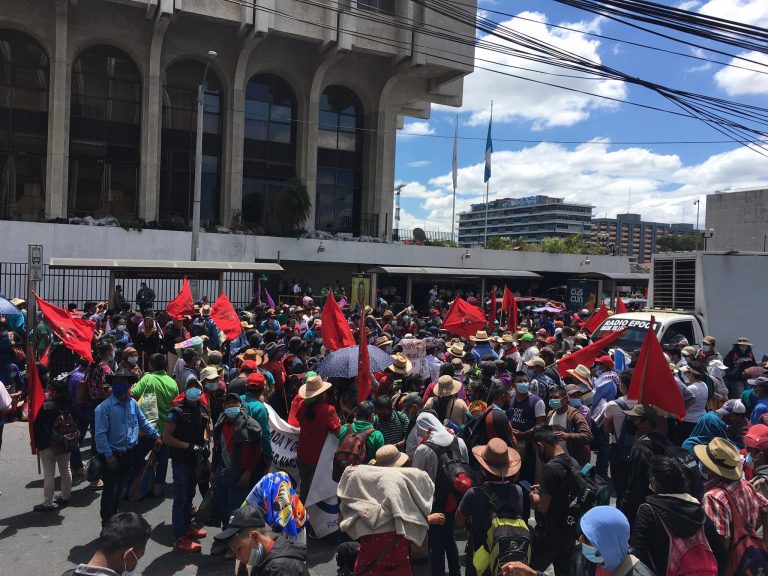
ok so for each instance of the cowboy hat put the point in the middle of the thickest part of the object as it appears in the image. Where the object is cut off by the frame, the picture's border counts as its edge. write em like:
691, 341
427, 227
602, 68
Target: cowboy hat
743, 341
447, 386
506, 339
582, 374
459, 365
456, 350
498, 458
720, 457
390, 457
480, 336
382, 341
314, 386
536, 361
400, 364
17, 301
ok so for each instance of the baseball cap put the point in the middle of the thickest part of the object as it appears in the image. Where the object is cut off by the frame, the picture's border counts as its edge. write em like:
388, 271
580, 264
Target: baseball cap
249, 365
605, 360
732, 406
244, 517
526, 337
757, 437
760, 381
536, 361
256, 381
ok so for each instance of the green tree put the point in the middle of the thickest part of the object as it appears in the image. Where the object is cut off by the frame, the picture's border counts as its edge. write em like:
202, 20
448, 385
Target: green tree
677, 243
293, 206
575, 244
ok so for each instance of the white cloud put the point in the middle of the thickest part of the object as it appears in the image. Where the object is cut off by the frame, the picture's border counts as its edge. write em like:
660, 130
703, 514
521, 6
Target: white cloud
662, 188
419, 163
416, 129
544, 106
689, 5
737, 81
754, 12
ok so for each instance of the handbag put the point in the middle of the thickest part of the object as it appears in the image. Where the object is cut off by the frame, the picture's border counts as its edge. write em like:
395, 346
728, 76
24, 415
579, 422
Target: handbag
206, 513
148, 405
95, 468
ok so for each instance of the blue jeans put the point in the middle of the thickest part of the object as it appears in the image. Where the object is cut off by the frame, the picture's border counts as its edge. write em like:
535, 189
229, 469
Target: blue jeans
229, 496
442, 541
76, 457
184, 484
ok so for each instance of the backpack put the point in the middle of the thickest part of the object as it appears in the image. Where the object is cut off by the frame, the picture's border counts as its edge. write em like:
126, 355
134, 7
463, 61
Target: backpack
689, 556
65, 436
625, 441
747, 553
98, 389
508, 538
351, 451
453, 479
585, 491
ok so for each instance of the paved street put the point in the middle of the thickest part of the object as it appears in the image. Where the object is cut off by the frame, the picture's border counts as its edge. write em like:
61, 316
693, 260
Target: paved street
39, 544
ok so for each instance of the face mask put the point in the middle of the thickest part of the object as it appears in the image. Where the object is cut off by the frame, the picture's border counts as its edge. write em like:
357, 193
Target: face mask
529, 372
211, 386
133, 360
598, 371
232, 411
119, 389
127, 572
193, 394
574, 402
122, 327
706, 347
256, 555
591, 554
555, 404
522, 387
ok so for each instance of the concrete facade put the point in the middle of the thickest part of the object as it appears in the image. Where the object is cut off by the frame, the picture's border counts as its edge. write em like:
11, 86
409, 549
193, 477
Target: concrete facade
739, 219
388, 61
629, 235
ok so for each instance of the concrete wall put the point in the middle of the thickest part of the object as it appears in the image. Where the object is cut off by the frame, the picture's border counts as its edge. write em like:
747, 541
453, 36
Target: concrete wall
739, 219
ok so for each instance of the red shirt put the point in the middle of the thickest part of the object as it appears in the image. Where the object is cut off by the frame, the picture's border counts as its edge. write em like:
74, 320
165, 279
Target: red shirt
314, 432
249, 454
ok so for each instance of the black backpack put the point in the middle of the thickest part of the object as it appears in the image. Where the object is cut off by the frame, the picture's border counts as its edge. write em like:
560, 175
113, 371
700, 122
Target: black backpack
626, 439
454, 477
585, 491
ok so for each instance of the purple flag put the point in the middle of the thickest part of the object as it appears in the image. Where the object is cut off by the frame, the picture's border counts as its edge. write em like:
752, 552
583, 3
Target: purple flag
270, 302
258, 291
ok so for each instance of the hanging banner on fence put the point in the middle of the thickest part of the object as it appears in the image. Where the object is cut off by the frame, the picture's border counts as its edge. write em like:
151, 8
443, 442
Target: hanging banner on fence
416, 352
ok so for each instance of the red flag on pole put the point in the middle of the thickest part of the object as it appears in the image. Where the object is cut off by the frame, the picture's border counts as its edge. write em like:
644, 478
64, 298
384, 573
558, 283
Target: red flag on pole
46, 357
75, 333
652, 379
621, 308
586, 355
463, 319
509, 305
363, 361
597, 318
336, 332
35, 397
225, 317
492, 315
183, 303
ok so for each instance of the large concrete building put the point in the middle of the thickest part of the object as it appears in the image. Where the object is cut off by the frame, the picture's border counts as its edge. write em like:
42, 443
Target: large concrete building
533, 218
98, 106
629, 235
738, 219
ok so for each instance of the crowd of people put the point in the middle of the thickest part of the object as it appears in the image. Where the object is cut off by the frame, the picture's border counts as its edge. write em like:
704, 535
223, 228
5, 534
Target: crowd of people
483, 434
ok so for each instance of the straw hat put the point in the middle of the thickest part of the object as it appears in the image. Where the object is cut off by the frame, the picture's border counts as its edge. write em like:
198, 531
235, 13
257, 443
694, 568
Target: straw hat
720, 457
536, 361
447, 386
582, 374
743, 341
506, 339
480, 336
17, 301
498, 458
459, 365
382, 341
456, 350
314, 386
390, 457
400, 364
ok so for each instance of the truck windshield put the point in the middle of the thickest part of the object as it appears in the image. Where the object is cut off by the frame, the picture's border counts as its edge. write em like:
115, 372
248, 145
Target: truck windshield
632, 338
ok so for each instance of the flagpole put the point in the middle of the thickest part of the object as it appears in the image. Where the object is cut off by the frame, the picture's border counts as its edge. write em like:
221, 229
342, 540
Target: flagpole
487, 190
454, 169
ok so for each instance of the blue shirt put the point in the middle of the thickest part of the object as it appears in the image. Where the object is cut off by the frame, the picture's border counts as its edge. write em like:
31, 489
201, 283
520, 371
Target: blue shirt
760, 408
482, 350
118, 424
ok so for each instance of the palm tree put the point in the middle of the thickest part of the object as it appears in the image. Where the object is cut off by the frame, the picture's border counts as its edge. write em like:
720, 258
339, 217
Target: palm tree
293, 206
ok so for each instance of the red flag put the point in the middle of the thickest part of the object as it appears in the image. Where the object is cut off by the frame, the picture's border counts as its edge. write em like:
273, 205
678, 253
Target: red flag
621, 308
509, 305
336, 332
35, 396
652, 380
46, 357
225, 317
183, 303
597, 318
463, 319
75, 333
363, 361
492, 315
586, 355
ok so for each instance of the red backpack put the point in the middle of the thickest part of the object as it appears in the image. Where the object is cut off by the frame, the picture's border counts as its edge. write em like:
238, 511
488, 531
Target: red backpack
351, 451
690, 556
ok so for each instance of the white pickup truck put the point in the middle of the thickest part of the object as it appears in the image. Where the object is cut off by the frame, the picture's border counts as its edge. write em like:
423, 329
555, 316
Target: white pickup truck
699, 294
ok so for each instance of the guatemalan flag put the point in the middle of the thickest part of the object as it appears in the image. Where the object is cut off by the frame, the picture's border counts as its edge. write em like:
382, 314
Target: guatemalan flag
488, 151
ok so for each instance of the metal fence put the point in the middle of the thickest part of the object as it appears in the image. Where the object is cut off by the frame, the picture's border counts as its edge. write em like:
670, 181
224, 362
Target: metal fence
401, 234
62, 286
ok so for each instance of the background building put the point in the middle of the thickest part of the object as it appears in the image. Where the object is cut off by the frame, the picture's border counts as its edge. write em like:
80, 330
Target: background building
534, 218
98, 107
739, 219
628, 235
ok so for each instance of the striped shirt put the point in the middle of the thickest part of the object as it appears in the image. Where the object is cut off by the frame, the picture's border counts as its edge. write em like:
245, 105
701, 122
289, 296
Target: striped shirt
747, 500
393, 429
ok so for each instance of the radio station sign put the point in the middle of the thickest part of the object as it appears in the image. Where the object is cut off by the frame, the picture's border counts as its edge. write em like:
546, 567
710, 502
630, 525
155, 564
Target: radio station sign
616, 324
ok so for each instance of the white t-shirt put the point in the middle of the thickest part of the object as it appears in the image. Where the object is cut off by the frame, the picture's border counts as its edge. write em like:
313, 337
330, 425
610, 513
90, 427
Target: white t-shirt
559, 422
699, 407
527, 356
615, 413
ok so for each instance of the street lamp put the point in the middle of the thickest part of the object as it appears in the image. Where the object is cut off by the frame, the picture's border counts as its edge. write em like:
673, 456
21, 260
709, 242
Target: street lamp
707, 234
199, 159
698, 205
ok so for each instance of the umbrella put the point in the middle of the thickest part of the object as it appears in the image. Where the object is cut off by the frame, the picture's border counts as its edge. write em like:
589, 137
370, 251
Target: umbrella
8, 309
342, 363
548, 309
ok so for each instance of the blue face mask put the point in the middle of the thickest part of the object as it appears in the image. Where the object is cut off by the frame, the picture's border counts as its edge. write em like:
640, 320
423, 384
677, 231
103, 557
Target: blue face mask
127, 572
591, 554
705, 347
555, 404
257, 553
122, 327
193, 394
119, 389
598, 370
522, 387
575, 402
232, 411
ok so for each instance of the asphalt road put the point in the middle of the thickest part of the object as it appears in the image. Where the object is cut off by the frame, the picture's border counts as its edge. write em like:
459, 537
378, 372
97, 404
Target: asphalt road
47, 544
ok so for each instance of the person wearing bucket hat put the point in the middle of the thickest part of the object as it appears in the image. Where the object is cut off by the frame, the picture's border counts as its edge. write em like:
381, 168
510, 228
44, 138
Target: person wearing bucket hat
316, 418
482, 346
450, 409
730, 502
388, 456
738, 360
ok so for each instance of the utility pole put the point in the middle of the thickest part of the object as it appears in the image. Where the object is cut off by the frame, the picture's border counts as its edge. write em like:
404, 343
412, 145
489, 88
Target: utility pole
397, 208
697, 202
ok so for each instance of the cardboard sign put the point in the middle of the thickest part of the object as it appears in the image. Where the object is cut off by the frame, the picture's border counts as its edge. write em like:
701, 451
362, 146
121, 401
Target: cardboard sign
416, 352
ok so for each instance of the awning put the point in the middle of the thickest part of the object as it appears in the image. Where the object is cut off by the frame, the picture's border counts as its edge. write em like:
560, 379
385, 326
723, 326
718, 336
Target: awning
164, 265
621, 276
456, 272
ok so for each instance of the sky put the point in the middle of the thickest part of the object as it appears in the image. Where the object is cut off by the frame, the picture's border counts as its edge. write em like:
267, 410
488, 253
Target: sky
619, 164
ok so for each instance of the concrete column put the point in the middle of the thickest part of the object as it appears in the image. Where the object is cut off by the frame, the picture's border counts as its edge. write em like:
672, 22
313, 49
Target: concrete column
56, 174
408, 290
152, 125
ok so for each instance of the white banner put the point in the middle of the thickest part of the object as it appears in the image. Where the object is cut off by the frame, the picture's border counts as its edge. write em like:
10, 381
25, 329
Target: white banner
285, 439
416, 352
323, 486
